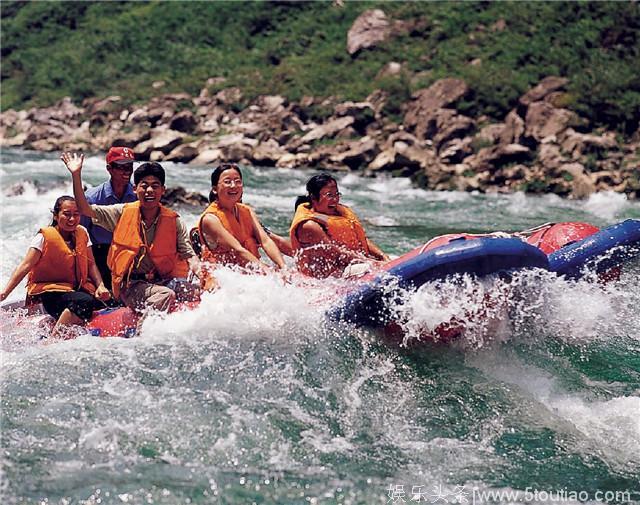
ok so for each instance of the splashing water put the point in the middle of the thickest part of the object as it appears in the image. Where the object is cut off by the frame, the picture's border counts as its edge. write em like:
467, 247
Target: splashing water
254, 397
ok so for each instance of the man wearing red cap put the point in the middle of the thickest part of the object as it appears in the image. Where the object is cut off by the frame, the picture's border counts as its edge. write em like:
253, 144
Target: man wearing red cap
117, 189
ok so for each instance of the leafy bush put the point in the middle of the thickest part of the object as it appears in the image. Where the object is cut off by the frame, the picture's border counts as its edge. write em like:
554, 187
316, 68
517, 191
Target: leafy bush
85, 49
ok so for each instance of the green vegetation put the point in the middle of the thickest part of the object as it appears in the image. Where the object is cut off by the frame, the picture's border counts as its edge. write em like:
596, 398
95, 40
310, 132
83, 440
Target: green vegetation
85, 49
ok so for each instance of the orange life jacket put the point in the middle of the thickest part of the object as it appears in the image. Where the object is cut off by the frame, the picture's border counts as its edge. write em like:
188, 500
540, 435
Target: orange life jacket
344, 229
60, 268
127, 245
242, 229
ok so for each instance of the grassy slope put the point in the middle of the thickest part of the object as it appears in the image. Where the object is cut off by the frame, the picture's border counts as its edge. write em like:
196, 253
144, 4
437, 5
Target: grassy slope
84, 49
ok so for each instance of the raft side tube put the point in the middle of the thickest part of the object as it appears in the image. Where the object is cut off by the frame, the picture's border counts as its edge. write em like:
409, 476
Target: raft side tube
600, 252
480, 256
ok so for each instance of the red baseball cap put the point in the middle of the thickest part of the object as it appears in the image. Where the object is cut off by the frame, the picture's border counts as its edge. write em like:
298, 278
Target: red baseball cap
120, 155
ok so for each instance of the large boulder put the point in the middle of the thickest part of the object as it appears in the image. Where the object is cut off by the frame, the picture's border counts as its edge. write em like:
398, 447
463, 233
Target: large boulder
229, 96
272, 103
491, 158
163, 140
184, 121
184, 153
579, 144
489, 134
456, 150
403, 158
451, 125
132, 137
358, 154
180, 196
267, 153
368, 30
550, 157
105, 106
291, 160
207, 156
328, 129
513, 129
542, 89
581, 185
363, 113
426, 103
544, 120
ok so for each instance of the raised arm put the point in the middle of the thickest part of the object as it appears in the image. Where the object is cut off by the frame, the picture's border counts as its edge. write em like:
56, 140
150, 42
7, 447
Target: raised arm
29, 261
73, 162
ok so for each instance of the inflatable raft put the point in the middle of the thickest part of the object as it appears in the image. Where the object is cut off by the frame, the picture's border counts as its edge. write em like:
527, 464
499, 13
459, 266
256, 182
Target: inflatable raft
437, 259
568, 249
577, 249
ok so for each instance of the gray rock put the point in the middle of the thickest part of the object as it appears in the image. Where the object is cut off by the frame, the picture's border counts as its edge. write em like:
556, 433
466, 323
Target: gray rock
368, 30
179, 196
542, 89
184, 121
425, 104
544, 120
207, 156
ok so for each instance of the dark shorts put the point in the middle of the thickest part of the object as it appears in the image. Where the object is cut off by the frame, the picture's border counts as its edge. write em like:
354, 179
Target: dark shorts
80, 303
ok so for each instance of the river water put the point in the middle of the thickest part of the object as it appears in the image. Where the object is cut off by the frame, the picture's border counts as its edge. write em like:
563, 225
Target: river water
254, 398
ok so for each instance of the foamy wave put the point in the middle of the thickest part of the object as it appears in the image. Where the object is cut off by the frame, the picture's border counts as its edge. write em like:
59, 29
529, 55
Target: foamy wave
606, 204
254, 306
608, 427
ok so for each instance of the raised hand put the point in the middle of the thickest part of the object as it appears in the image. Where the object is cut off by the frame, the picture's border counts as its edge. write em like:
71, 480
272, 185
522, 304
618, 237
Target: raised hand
73, 161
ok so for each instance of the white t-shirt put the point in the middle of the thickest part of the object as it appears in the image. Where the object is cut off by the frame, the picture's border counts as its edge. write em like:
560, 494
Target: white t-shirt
38, 241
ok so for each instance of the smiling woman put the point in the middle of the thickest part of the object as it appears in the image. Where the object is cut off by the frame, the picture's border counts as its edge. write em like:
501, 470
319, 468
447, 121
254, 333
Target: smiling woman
326, 235
230, 230
62, 272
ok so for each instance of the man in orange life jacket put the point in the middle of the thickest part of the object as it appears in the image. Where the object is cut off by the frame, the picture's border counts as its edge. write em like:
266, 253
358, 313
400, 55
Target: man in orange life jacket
117, 189
150, 254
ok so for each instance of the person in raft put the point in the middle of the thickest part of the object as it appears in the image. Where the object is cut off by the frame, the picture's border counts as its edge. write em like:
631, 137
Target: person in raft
118, 189
229, 230
62, 272
326, 236
150, 255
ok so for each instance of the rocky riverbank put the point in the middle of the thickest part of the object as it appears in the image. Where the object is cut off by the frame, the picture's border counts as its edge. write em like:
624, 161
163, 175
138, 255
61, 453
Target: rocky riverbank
539, 147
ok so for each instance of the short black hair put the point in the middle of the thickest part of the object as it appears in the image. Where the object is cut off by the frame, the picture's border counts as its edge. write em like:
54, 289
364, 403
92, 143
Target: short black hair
147, 169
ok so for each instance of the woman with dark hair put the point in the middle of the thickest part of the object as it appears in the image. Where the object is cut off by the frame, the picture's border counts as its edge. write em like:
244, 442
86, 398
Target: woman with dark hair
229, 230
62, 271
326, 235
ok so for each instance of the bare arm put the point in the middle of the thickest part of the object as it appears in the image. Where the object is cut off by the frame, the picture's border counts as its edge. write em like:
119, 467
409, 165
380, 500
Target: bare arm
268, 245
376, 252
212, 226
29, 261
73, 162
283, 243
